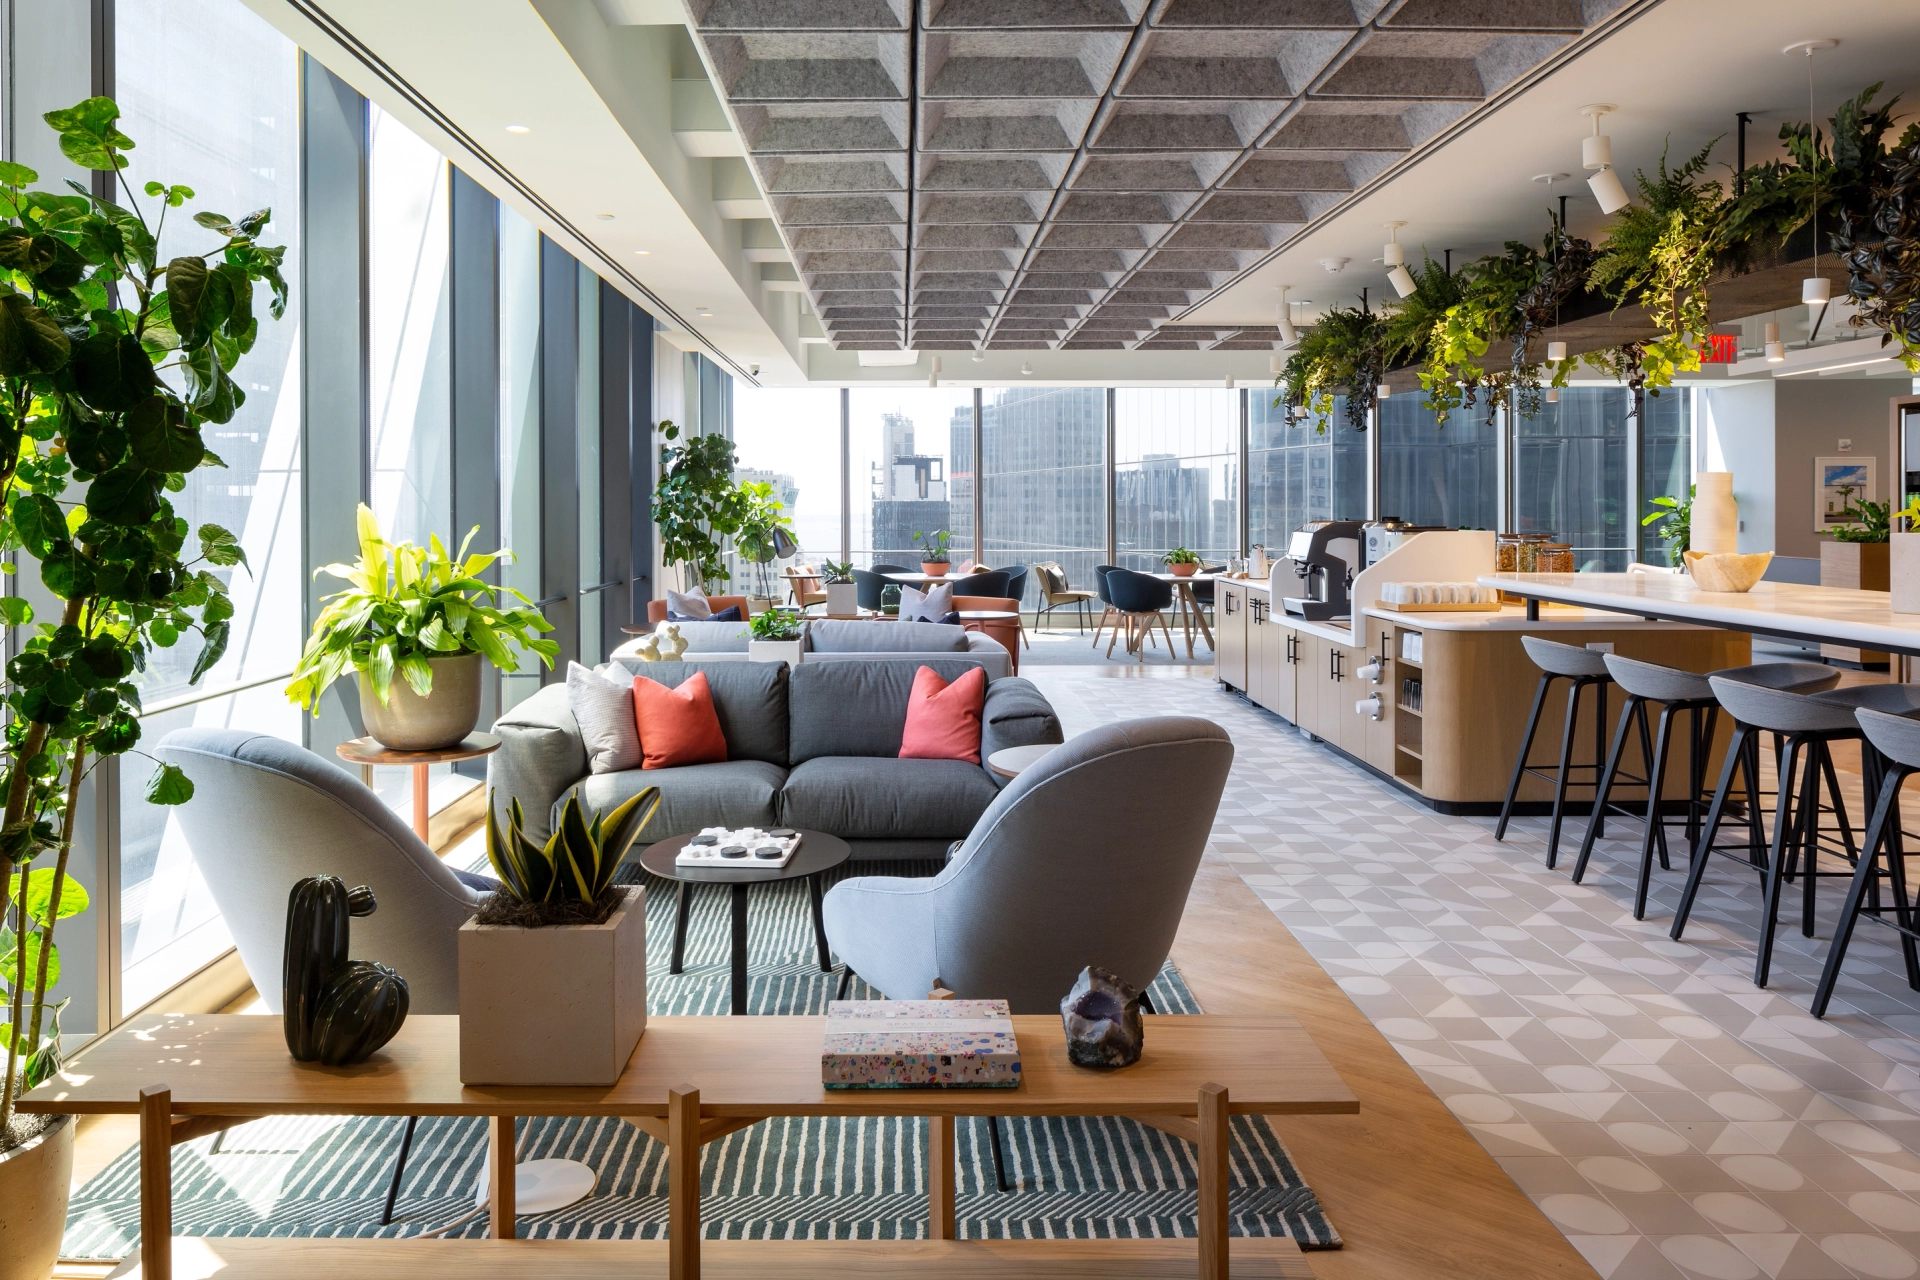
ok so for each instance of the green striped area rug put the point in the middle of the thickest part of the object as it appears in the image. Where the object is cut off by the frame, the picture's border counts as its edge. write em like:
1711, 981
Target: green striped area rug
787, 1177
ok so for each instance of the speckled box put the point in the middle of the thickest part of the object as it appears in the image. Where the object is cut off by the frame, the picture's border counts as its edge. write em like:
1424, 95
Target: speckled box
919, 1044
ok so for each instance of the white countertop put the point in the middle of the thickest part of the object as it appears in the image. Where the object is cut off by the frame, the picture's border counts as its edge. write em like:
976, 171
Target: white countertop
1509, 618
1834, 615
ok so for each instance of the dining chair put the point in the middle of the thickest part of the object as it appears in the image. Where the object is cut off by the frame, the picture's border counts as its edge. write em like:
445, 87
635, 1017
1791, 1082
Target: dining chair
1017, 592
1100, 572
989, 582
1055, 591
1139, 599
807, 585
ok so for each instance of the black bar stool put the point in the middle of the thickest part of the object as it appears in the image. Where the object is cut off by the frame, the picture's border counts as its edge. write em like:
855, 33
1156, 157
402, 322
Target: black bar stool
1678, 692
1894, 741
1809, 724
1581, 668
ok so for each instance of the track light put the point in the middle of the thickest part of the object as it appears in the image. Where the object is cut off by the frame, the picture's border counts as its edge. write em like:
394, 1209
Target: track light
1596, 152
1274, 366
1776, 349
1816, 290
1394, 254
979, 356
1288, 334
1229, 382
1556, 352
933, 373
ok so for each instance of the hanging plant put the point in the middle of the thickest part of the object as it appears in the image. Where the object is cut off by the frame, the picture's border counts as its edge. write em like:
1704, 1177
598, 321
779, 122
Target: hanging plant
1343, 353
1412, 320
1882, 253
1490, 292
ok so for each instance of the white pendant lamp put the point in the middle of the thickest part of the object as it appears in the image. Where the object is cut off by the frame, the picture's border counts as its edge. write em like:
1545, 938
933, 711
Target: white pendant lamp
1553, 395
1026, 368
1816, 290
1556, 352
1385, 391
1776, 349
1394, 254
933, 374
1288, 334
1596, 152
979, 356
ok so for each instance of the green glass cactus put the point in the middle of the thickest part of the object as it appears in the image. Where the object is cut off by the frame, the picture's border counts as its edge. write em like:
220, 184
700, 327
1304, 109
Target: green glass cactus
578, 861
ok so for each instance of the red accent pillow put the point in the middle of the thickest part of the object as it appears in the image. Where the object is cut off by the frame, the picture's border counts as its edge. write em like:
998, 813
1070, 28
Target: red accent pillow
943, 720
677, 726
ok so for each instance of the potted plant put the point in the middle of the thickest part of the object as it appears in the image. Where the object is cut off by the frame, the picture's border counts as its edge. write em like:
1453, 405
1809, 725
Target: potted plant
553, 967
696, 505
1677, 529
422, 615
763, 534
775, 636
933, 561
93, 441
843, 597
1181, 562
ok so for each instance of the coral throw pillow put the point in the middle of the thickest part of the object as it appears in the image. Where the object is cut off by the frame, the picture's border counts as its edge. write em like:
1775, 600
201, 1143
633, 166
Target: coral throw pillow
943, 720
677, 726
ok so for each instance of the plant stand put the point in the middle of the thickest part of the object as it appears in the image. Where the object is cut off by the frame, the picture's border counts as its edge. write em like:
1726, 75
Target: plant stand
367, 753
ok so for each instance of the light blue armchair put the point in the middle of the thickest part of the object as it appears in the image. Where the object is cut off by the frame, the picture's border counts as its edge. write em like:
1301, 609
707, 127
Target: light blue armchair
1085, 858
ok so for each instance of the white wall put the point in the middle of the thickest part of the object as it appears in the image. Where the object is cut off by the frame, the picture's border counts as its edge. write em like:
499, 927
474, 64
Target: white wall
1734, 431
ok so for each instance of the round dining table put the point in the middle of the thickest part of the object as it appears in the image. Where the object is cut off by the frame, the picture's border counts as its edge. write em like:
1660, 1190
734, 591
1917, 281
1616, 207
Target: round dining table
912, 579
1186, 607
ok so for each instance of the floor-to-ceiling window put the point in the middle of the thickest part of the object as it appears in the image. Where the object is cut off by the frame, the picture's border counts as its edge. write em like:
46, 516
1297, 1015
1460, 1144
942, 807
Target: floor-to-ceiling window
1570, 474
905, 446
587, 464
1313, 469
233, 138
519, 285
1666, 463
790, 438
1176, 479
1044, 451
1443, 472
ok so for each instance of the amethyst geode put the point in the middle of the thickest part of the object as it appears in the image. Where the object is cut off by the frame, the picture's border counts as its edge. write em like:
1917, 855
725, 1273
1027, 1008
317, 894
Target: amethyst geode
1102, 1017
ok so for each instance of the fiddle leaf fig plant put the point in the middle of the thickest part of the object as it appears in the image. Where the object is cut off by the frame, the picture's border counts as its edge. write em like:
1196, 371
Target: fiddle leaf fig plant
407, 606
112, 359
696, 505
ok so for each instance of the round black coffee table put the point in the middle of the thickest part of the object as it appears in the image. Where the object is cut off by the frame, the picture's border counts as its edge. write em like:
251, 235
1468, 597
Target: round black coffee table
818, 852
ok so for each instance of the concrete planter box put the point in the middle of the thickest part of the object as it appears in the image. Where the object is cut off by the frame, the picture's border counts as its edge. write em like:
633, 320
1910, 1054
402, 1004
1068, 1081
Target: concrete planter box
787, 651
558, 1006
843, 600
1859, 566
34, 1179
1903, 572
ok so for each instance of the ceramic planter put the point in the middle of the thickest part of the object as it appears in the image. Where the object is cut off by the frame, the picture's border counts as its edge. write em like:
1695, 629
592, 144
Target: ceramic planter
1183, 570
935, 568
410, 722
843, 600
787, 651
1715, 528
33, 1202
558, 1006
1903, 572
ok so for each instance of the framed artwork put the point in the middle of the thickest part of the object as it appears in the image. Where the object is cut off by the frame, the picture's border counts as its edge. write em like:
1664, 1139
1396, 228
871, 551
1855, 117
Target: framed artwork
1838, 483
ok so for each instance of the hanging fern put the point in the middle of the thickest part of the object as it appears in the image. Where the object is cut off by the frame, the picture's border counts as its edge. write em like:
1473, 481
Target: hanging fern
1343, 353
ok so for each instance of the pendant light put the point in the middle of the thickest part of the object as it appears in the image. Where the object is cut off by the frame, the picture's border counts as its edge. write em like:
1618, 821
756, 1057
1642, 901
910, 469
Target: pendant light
1553, 395
1816, 290
1776, 349
979, 356
1385, 391
933, 375
1394, 254
1026, 368
1556, 352
1288, 334
1596, 152
1274, 366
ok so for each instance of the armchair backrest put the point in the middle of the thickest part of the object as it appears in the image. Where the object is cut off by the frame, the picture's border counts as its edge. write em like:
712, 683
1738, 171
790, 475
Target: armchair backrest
1132, 592
266, 813
1085, 858
1100, 572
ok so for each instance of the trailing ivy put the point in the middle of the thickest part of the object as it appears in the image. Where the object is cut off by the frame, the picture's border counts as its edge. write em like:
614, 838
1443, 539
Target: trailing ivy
1344, 353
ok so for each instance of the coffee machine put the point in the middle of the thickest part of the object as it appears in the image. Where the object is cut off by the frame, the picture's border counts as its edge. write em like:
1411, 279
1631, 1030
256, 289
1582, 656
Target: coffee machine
1325, 556
1387, 534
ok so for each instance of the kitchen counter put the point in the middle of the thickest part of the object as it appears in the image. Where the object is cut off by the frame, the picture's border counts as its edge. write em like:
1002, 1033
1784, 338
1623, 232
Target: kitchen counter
1509, 618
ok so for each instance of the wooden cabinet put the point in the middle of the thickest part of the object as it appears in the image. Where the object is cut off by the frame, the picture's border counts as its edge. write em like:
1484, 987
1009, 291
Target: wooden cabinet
1230, 634
1256, 665
1279, 646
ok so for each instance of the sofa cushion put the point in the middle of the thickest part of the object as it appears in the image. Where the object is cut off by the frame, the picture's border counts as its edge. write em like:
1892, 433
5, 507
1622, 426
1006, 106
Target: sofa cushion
943, 720
677, 726
750, 698
860, 798
603, 707
739, 793
829, 635
688, 604
855, 708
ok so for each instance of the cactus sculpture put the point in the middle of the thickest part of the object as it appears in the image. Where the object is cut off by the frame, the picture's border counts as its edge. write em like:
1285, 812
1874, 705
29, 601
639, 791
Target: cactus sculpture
335, 1011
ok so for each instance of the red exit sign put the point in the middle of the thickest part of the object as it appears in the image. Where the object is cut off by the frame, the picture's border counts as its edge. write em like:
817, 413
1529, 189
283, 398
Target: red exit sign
1720, 348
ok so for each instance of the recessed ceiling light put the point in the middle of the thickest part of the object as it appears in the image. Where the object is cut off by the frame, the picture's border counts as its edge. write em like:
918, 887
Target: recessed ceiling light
643, 252
604, 217
518, 128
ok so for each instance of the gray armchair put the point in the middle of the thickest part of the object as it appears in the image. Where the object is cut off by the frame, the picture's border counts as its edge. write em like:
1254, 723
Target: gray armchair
1085, 858
266, 813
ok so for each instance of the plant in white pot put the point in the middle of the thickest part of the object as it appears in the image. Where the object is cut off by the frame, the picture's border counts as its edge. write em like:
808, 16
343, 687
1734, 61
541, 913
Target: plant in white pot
775, 636
553, 968
426, 617
843, 595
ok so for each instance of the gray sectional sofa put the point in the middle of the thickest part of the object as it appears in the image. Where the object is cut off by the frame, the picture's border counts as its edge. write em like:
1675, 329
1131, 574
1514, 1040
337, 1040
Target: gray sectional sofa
814, 746
847, 640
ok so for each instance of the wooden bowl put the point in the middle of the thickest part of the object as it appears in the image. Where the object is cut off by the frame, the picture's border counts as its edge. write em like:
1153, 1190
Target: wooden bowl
1729, 571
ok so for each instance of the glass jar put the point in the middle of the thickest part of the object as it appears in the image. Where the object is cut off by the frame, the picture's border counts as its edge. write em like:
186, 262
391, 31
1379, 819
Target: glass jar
1556, 557
1506, 548
1527, 557
890, 599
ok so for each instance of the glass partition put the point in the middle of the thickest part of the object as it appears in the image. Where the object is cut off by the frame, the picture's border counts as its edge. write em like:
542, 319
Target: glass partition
1045, 478
1176, 479
1570, 476
1315, 469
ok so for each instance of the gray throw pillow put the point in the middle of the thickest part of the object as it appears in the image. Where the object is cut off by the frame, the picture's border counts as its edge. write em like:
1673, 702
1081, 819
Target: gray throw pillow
688, 604
603, 706
932, 606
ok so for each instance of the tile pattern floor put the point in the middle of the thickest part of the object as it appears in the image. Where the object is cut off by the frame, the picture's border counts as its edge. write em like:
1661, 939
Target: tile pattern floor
1669, 1117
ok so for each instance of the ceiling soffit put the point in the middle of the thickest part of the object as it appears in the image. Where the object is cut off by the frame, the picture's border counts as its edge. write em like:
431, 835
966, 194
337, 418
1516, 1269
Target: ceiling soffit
1023, 174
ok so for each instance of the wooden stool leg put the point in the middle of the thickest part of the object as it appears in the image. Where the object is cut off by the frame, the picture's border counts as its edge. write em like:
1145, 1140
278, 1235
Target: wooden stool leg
500, 1178
941, 1170
683, 1183
1211, 1223
156, 1183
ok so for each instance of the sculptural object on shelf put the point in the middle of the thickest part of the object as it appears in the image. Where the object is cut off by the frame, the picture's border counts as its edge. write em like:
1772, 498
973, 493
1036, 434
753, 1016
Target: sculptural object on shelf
334, 1010
1102, 1017
665, 644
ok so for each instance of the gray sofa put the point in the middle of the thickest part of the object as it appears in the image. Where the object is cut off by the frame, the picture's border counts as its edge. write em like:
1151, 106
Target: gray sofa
814, 746
848, 640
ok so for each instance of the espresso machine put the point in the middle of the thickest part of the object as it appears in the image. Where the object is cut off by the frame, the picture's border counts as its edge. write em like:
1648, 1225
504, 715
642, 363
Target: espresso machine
1385, 535
1325, 556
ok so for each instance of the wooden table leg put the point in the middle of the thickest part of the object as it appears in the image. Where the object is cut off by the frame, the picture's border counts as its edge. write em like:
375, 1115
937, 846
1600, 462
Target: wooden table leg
683, 1183
500, 1175
942, 1168
156, 1183
1200, 616
420, 803
1212, 1218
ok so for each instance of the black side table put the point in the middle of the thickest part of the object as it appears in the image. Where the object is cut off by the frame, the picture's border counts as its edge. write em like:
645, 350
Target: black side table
818, 852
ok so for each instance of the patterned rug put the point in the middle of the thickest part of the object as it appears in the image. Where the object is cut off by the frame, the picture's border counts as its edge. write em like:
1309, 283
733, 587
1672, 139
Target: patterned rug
787, 1177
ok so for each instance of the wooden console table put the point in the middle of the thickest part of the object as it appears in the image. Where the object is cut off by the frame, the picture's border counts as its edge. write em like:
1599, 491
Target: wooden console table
692, 1080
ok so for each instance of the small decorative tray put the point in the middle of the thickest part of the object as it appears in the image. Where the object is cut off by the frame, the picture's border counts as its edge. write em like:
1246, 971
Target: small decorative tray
739, 847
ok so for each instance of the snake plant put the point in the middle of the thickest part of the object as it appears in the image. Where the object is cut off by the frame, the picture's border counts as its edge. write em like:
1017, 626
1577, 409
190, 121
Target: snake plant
578, 861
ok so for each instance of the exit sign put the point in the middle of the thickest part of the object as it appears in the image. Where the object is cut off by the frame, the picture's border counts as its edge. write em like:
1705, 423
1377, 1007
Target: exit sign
1720, 348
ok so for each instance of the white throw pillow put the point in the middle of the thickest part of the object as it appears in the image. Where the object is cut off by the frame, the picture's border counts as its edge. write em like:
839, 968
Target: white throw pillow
603, 706
688, 604
933, 606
